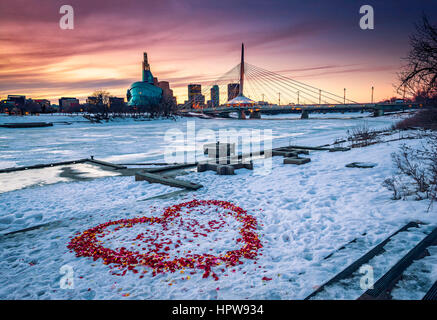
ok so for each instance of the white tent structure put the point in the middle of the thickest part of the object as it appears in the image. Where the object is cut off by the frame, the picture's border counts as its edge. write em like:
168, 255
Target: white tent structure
240, 101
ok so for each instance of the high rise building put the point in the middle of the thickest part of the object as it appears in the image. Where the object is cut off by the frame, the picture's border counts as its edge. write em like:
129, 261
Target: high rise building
195, 96
233, 90
167, 93
194, 90
215, 96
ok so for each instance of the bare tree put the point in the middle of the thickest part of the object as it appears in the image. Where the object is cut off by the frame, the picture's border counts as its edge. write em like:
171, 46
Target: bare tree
167, 106
416, 171
102, 99
419, 75
102, 96
362, 136
406, 164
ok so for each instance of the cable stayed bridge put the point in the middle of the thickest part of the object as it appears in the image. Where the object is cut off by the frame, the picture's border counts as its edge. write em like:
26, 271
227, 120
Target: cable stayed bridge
257, 90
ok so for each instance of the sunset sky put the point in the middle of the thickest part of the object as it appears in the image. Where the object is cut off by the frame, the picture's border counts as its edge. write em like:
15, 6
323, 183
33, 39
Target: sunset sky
317, 42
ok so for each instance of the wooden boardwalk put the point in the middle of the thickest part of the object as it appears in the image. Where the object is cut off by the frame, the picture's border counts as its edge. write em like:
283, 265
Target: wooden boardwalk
156, 178
20, 125
382, 288
64, 163
348, 271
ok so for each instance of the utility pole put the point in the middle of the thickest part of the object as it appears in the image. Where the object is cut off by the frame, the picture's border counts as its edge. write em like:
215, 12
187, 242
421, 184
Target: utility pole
320, 96
403, 96
298, 97
371, 100
344, 98
279, 103
263, 97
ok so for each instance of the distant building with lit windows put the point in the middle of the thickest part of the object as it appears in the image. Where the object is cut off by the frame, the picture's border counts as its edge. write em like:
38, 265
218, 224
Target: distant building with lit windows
233, 90
195, 96
215, 96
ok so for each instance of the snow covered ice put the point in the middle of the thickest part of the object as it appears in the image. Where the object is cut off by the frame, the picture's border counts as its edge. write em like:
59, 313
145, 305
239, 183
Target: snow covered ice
304, 212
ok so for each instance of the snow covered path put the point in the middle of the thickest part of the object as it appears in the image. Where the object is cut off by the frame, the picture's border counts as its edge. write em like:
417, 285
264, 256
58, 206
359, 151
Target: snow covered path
305, 213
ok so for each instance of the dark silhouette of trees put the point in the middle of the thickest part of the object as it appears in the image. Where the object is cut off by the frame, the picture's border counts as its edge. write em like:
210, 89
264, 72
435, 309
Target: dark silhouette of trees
419, 76
167, 106
102, 96
102, 102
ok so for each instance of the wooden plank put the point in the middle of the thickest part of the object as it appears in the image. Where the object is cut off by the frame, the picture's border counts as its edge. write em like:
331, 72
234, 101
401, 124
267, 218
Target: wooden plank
348, 271
297, 161
108, 164
300, 151
172, 167
223, 168
39, 166
151, 164
27, 125
382, 288
287, 154
432, 293
341, 149
309, 148
156, 178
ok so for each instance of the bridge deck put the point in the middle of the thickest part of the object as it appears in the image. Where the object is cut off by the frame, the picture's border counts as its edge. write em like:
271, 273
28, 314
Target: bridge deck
309, 108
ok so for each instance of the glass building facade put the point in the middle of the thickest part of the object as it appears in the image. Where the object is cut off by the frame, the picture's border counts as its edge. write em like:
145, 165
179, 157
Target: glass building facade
144, 93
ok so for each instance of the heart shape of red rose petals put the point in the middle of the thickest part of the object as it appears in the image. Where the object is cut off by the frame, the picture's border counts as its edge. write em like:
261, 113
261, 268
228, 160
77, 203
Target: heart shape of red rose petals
87, 243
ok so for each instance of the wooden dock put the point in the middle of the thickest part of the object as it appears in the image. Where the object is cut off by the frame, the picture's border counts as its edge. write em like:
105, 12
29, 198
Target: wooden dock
296, 160
382, 288
171, 167
27, 125
64, 163
224, 166
40, 166
156, 178
348, 271
107, 164
432, 293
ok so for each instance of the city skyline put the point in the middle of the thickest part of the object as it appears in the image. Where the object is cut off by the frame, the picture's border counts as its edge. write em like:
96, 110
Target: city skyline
196, 42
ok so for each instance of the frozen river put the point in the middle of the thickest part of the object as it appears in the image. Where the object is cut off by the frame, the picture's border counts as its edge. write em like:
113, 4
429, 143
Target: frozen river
144, 141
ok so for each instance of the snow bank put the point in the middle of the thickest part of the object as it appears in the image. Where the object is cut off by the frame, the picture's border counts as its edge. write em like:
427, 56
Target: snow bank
305, 213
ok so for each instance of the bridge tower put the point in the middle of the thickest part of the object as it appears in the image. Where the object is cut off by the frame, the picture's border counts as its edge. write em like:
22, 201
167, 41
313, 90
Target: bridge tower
241, 103
240, 93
